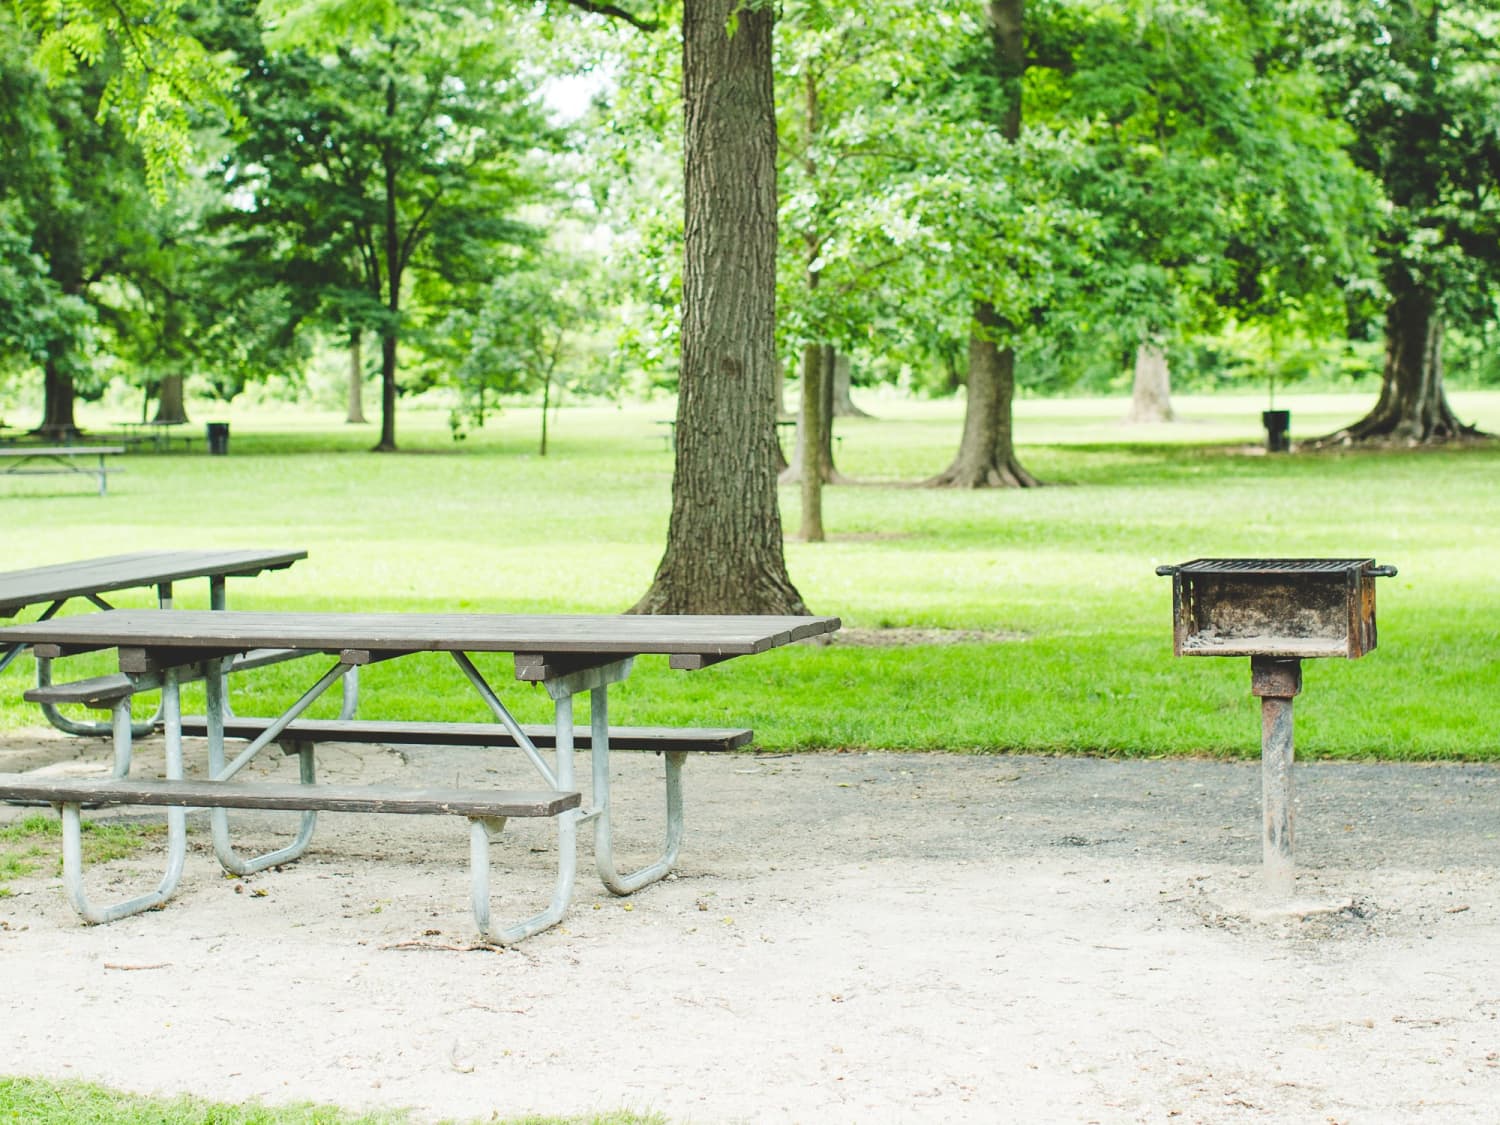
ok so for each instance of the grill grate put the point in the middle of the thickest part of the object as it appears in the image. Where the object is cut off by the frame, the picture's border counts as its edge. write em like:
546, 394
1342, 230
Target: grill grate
1273, 566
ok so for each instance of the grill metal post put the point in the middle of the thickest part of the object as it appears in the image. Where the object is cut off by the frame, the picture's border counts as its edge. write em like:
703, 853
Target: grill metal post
1276, 681
1277, 612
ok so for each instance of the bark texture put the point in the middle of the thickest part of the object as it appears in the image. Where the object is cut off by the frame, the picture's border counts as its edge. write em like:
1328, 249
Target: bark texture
724, 541
1413, 408
1151, 389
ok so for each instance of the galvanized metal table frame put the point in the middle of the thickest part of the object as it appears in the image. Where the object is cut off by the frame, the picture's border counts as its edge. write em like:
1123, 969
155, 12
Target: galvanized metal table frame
578, 655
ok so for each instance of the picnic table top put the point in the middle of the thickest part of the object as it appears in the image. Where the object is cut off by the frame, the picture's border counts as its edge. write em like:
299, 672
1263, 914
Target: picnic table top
20, 588
590, 634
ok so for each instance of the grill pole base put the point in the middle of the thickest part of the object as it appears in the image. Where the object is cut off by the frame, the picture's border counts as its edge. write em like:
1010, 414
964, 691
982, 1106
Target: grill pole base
1276, 681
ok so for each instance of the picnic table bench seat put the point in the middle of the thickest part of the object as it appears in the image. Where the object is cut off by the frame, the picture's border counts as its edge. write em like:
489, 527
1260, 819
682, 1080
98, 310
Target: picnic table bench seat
288, 796
487, 810
103, 692
307, 731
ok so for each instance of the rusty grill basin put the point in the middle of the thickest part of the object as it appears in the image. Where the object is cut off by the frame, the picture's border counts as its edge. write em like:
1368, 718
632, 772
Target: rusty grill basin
1288, 608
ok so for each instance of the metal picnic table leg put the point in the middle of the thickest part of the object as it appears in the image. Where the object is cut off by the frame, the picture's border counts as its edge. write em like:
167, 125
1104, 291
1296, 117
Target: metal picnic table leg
228, 858
604, 858
72, 826
483, 830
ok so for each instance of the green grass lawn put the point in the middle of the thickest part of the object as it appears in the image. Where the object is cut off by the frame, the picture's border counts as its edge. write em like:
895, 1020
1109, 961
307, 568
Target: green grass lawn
1077, 653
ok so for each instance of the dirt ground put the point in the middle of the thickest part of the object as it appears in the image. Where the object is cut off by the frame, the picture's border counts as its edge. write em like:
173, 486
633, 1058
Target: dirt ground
849, 938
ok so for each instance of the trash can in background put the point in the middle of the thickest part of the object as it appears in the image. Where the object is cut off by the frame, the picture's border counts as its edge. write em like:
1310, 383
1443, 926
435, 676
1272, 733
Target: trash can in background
218, 438
1278, 424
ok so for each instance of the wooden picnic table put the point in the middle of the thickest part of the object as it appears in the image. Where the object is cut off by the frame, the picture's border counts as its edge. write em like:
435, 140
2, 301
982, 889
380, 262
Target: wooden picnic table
567, 654
53, 460
56, 584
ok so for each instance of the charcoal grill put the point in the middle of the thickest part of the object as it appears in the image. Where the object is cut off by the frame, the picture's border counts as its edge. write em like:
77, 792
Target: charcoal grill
1277, 612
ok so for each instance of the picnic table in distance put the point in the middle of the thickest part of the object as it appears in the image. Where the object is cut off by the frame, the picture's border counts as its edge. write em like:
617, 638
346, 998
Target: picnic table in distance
59, 460
159, 435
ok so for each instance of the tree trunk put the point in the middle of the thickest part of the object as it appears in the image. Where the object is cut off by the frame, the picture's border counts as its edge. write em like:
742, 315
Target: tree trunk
810, 443
356, 414
1151, 391
817, 375
57, 403
1413, 408
843, 404
387, 443
170, 406
827, 357
724, 550
986, 455
546, 406
389, 333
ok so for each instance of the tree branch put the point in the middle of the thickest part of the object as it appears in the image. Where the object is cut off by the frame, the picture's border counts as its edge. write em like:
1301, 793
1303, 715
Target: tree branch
614, 13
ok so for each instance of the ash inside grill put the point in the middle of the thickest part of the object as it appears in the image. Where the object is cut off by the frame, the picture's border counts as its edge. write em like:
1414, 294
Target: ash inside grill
1290, 608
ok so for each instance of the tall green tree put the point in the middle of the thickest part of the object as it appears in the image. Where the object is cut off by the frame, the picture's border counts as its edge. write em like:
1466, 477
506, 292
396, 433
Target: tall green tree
1217, 176
1416, 81
986, 453
405, 150
74, 187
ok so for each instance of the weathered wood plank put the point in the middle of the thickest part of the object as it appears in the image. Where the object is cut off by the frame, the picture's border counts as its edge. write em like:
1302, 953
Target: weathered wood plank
98, 691
290, 796
544, 634
477, 734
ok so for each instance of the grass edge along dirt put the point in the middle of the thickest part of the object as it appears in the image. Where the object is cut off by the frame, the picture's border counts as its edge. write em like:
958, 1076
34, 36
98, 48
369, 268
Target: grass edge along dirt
34, 1101
33, 842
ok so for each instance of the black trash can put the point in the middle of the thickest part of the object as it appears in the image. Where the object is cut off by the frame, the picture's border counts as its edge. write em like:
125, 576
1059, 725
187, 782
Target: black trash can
1278, 424
218, 438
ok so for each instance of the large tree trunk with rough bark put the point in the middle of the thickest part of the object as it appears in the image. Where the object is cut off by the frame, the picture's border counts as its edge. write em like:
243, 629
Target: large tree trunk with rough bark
356, 412
986, 454
1413, 408
170, 403
57, 403
1151, 390
724, 549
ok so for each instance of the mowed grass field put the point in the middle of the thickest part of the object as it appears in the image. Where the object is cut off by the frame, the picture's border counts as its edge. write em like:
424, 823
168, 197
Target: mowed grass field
1040, 623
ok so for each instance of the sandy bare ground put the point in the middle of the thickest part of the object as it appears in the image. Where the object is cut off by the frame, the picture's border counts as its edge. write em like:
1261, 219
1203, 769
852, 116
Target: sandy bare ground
851, 938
